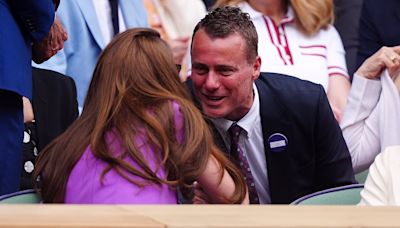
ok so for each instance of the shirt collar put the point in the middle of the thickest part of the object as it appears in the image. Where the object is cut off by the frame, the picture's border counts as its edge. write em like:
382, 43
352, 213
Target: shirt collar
247, 122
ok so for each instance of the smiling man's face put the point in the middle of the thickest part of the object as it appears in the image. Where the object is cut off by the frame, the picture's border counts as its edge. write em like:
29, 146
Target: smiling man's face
222, 75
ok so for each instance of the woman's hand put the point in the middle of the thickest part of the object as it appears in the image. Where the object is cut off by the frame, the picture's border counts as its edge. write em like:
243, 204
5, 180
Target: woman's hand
386, 58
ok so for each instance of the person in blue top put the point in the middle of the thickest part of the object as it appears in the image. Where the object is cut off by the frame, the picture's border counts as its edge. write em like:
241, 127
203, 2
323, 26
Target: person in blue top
23, 22
90, 28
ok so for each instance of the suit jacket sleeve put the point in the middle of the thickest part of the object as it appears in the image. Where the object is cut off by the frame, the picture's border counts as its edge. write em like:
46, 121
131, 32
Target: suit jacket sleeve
34, 16
333, 161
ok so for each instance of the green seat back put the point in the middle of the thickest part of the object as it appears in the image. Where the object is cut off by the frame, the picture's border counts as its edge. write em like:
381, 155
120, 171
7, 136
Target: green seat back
344, 195
22, 197
361, 177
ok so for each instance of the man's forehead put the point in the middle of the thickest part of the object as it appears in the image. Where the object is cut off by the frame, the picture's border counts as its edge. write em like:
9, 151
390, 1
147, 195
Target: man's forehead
215, 36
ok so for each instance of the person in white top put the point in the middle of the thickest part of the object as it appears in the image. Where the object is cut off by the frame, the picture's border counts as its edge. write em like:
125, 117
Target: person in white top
370, 121
175, 21
296, 38
382, 187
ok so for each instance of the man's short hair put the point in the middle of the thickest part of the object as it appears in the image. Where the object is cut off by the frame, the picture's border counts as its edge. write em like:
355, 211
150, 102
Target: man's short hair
225, 21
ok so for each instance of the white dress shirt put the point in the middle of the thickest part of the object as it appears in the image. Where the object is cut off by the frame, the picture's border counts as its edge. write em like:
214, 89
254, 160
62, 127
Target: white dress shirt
252, 143
103, 12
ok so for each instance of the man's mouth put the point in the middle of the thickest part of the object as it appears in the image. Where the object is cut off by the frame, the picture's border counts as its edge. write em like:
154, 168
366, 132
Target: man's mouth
213, 100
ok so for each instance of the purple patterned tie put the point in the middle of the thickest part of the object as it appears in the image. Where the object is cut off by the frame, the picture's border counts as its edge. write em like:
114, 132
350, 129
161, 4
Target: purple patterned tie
241, 160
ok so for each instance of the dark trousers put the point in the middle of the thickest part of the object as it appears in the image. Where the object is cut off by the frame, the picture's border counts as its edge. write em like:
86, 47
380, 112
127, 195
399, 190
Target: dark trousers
11, 137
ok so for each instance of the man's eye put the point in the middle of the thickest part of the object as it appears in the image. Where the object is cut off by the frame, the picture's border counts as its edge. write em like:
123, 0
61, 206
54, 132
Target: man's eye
226, 72
200, 70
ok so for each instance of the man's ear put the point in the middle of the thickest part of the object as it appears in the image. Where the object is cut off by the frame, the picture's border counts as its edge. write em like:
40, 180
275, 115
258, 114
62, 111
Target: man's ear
256, 68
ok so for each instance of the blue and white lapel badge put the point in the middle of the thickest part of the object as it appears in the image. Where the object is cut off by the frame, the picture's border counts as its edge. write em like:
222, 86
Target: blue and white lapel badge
277, 142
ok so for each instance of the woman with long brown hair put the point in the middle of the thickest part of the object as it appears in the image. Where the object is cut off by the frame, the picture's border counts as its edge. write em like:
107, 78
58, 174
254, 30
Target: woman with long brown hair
139, 137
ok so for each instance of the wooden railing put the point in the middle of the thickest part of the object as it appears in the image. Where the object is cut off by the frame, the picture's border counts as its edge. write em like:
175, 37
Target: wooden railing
191, 216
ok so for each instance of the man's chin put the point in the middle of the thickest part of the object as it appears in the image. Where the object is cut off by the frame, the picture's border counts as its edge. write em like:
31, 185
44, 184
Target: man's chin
213, 113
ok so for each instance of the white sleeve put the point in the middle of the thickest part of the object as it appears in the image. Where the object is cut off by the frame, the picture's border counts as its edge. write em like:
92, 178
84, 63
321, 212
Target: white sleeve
335, 53
360, 123
376, 189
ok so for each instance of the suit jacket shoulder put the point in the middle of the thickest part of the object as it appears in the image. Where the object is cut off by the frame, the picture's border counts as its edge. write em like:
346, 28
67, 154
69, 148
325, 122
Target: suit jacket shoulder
288, 92
54, 104
314, 155
286, 85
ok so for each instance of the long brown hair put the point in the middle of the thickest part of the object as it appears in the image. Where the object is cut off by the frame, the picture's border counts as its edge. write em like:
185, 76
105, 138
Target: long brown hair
130, 94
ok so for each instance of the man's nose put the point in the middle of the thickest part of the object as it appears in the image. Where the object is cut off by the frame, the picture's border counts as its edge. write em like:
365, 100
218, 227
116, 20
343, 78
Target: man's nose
212, 81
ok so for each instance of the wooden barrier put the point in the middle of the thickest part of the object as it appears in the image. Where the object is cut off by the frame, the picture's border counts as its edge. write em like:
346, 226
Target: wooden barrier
190, 216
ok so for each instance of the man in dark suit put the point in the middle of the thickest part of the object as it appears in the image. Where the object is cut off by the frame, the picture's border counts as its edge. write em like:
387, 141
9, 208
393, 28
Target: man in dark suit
288, 139
379, 24
22, 23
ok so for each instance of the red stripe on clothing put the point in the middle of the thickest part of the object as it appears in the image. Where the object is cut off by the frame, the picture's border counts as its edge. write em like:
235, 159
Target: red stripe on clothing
320, 55
272, 40
312, 46
276, 32
287, 48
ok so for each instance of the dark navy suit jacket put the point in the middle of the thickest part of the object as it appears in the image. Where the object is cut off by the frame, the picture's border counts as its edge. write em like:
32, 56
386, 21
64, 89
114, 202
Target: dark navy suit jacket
379, 26
22, 22
316, 156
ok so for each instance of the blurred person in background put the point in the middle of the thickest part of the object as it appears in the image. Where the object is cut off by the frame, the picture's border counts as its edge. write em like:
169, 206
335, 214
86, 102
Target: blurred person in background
91, 24
370, 122
175, 21
27, 31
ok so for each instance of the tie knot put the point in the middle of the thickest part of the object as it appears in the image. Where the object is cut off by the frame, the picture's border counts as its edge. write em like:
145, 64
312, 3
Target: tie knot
234, 131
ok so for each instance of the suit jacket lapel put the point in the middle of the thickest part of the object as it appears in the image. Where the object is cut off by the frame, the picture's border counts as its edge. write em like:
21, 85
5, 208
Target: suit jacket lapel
89, 13
274, 120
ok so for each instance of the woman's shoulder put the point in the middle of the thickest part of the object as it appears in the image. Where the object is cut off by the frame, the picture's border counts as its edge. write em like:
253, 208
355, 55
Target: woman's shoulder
391, 155
328, 31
